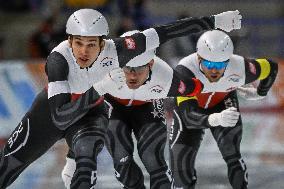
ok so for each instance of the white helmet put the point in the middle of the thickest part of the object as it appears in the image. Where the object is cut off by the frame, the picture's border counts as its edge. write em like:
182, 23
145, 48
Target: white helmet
141, 59
87, 22
215, 46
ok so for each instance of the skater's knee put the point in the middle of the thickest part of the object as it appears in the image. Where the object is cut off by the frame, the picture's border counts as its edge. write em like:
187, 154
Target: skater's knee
87, 146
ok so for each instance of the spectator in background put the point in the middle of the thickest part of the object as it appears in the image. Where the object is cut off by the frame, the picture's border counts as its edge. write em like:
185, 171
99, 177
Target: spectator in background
126, 24
140, 15
136, 10
133, 15
45, 39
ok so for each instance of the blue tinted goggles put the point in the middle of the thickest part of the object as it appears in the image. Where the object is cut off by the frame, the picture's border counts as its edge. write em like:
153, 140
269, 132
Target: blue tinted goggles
214, 65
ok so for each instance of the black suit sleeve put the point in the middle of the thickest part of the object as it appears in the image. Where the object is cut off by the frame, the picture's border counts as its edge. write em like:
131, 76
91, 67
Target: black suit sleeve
131, 46
264, 70
184, 27
191, 116
65, 112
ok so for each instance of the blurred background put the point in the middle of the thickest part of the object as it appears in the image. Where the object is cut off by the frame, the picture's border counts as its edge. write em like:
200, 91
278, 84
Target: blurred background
30, 29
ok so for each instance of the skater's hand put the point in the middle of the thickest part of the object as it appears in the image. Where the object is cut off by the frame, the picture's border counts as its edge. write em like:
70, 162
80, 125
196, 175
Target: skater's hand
228, 21
249, 92
114, 79
226, 118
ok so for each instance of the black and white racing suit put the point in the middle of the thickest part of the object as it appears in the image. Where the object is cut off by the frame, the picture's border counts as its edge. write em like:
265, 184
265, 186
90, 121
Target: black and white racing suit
190, 113
55, 115
134, 111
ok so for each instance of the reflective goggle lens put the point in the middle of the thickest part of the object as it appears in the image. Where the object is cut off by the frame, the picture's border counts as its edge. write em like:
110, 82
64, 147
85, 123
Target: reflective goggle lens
214, 65
135, 69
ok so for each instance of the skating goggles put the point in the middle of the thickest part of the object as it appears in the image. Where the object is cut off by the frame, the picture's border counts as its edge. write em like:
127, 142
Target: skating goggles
138, 69
214, 65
